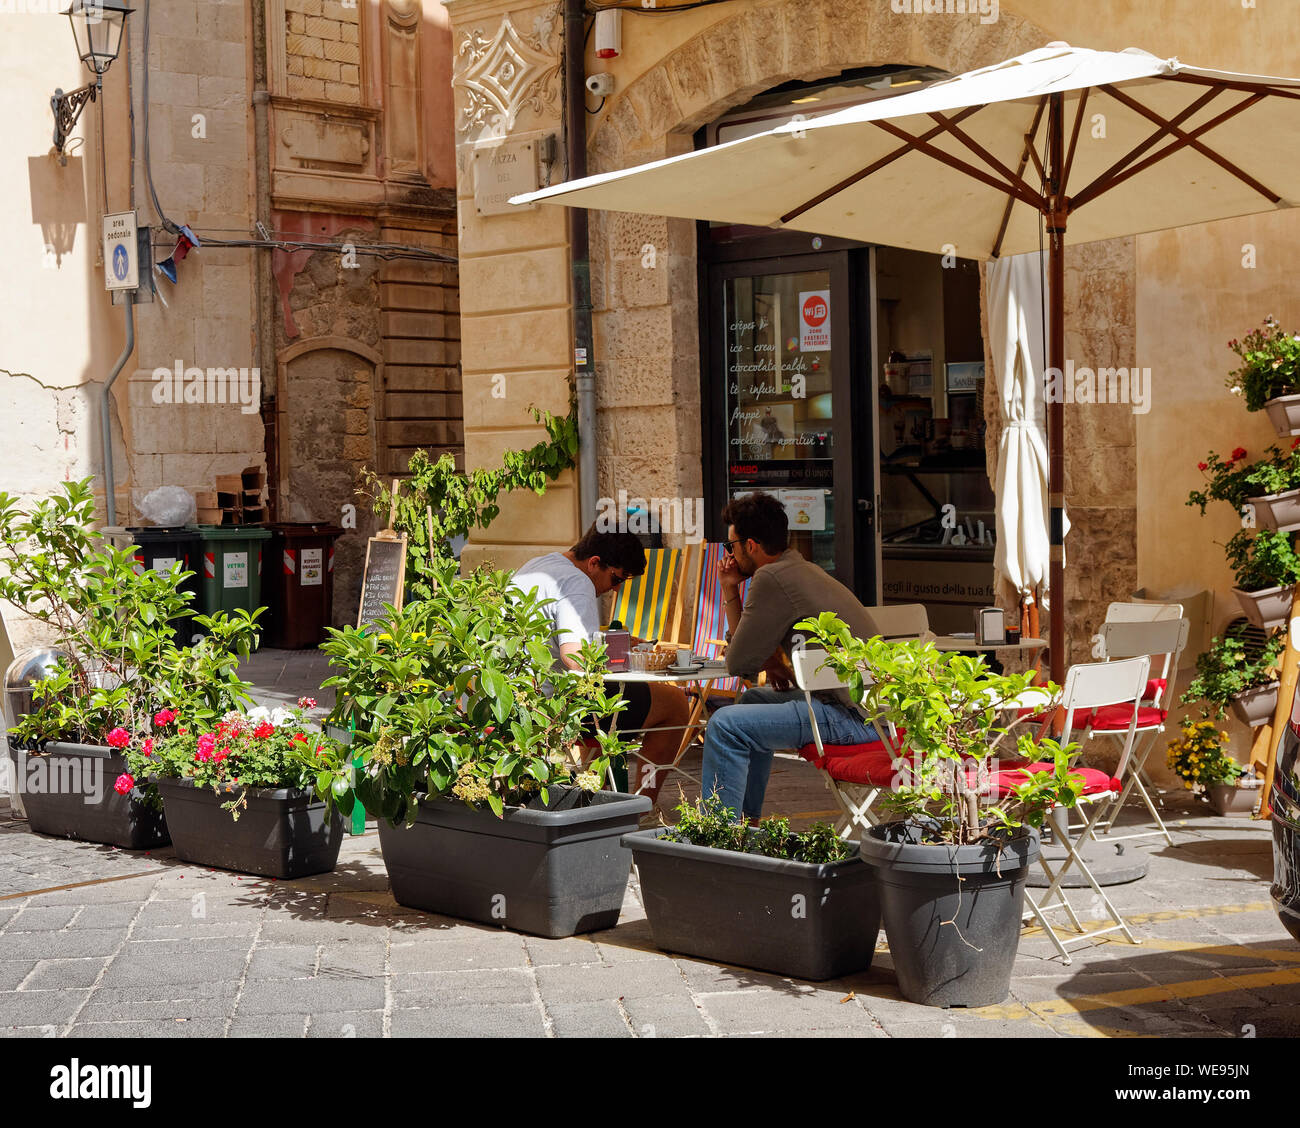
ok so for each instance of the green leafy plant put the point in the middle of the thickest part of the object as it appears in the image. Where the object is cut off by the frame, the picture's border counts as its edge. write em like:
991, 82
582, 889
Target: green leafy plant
706, 822
117, 624
1198, 757
951, 708
455, 696
1232, 666
461, 502
264, 748
1237, 481
1270, 364
1263, 559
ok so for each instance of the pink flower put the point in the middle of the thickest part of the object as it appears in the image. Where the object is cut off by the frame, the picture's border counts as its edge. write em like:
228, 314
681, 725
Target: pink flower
119, 738
163, 717
306, 703
264, 730
206, 742
124, 783
148, 746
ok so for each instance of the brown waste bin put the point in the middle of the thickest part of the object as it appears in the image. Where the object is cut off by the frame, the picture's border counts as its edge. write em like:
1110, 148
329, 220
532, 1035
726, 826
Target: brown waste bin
298, 584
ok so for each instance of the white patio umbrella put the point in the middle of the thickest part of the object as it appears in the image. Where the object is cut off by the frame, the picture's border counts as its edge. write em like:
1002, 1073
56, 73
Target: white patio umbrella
1015, 304
990, 162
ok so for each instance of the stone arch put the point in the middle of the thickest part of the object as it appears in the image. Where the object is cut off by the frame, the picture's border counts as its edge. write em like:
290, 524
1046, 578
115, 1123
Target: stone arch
326, 431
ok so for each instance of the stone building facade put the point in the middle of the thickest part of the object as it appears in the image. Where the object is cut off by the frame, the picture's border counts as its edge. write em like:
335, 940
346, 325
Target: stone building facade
1126, 301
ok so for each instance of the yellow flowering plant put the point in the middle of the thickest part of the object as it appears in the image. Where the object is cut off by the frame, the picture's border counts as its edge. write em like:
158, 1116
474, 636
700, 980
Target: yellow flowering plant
455, 696
1198, 757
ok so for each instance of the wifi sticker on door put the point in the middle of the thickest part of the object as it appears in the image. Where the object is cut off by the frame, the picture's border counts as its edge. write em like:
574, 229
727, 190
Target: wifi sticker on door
814, 320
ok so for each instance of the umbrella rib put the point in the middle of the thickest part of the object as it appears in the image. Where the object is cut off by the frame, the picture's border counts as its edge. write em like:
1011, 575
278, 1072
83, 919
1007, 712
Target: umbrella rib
862, 174
1102, 182
961, 166
1025, 154
979, 150
1074, 138
1185, 139
1249, 87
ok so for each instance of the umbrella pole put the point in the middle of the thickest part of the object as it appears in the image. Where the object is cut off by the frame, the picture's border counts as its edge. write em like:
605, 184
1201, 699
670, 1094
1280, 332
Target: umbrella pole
1056, 219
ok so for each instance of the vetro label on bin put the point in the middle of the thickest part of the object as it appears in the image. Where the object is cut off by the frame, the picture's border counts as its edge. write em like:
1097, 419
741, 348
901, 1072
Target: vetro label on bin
165, 563
235, 570
311, 571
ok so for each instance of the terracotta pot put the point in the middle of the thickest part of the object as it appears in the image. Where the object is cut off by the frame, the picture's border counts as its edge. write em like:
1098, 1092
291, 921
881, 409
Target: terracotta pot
1256, 706
1268, 607
1229, 800
1280, 511
1284, 414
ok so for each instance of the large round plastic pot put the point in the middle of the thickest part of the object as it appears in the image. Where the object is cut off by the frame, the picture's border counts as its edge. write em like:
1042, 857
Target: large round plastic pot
952, 914
69, 793
282, 832
799, 919
552, 871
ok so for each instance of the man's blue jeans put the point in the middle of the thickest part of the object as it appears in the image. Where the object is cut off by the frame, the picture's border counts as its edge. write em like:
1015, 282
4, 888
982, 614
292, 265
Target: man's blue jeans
741, 738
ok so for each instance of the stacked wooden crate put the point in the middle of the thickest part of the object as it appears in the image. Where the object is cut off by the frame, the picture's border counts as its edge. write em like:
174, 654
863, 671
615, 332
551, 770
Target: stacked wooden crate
239, 499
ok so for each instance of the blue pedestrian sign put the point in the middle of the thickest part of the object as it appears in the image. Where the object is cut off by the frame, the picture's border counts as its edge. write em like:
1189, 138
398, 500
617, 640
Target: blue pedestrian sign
121, 258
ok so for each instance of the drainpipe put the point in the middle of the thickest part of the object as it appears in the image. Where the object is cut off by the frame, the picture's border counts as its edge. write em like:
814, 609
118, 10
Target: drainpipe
265, 289
105, 411
575, 137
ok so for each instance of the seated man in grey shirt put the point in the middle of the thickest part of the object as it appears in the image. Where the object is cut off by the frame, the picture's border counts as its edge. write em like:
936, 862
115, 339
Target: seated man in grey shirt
784, 589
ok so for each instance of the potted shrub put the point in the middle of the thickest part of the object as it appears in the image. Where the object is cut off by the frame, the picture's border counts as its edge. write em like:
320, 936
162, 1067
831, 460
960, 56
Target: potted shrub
122, 673
1235, 673
1270, 485
801, 905
1269, 376
1267, 568
467, 739
246, 794
1198, 758
951, 869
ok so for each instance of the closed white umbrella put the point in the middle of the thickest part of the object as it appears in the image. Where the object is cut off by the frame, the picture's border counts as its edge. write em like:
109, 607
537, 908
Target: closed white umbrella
1015, 303
1061, 144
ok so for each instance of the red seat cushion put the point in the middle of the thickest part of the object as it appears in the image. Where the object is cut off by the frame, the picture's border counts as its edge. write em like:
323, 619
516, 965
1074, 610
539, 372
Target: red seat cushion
1116, 718
838, 751
1154, 686
1095, 782
873, 768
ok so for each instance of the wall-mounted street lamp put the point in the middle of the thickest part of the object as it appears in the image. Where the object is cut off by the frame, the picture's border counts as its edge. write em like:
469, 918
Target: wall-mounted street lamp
97, 27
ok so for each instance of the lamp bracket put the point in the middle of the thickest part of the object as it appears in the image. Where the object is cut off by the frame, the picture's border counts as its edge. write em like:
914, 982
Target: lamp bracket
67, 109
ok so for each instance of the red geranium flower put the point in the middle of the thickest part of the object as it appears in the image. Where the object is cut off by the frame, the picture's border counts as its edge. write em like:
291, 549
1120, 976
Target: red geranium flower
163, 717
118, 738
1202, 466
298, 738
124, 783
183, 732
1240, 452
148, 746
264, 730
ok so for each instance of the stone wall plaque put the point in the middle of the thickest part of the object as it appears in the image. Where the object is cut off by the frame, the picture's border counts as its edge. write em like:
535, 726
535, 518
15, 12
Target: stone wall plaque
501, 170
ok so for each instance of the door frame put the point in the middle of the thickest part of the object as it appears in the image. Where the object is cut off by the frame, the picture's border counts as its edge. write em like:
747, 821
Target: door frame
856, 545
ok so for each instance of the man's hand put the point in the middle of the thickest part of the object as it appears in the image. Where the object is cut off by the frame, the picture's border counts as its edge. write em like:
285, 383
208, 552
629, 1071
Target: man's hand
779, 674
729, 576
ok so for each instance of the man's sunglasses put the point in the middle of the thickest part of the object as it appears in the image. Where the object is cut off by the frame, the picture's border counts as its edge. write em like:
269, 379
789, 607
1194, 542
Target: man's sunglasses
614, 579
729, 545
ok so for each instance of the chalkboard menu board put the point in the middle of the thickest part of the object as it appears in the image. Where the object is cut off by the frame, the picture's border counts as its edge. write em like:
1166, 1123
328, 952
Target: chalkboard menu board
383, 580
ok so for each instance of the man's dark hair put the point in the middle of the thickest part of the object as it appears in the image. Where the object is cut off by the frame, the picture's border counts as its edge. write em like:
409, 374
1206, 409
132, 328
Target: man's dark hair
616, 550
759, 517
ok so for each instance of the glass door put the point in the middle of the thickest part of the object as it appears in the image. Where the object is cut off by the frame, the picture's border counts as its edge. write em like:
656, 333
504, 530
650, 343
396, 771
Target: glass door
780, 345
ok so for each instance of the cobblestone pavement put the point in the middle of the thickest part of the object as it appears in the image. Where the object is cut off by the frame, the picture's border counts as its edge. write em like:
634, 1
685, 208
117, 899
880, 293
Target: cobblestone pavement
100, 941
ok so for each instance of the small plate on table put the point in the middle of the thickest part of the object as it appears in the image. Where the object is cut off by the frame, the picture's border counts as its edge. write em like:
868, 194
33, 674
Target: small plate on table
693, 669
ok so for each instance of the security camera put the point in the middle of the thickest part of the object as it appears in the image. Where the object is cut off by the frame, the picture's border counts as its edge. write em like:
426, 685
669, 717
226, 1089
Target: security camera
602, 85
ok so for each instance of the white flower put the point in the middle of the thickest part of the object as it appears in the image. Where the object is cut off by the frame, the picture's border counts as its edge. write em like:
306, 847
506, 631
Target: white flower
1235, 389
256, 716
280, 716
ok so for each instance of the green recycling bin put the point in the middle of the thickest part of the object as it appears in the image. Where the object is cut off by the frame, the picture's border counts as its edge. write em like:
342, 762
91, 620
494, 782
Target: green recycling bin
231, 576
299, 584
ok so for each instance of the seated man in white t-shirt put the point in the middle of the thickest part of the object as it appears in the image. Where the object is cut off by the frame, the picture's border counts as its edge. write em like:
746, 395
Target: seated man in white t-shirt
575, 579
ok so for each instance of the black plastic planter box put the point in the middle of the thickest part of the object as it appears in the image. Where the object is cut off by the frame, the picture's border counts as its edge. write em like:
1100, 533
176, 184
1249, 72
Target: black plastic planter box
798, 919
69, 793
552, 872
282, 832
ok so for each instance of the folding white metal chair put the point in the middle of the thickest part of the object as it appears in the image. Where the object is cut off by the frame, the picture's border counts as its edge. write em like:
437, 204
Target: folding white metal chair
1161, 637
855, 774
1087, 687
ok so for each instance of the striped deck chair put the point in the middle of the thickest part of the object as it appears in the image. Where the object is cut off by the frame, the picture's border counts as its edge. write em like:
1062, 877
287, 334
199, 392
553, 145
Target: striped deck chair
709, 637
646, 604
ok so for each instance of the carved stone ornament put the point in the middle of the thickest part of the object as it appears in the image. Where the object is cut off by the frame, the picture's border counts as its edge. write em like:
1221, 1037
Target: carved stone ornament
499, 77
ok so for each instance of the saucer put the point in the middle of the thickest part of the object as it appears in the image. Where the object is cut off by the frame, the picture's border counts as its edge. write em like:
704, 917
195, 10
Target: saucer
675, 669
